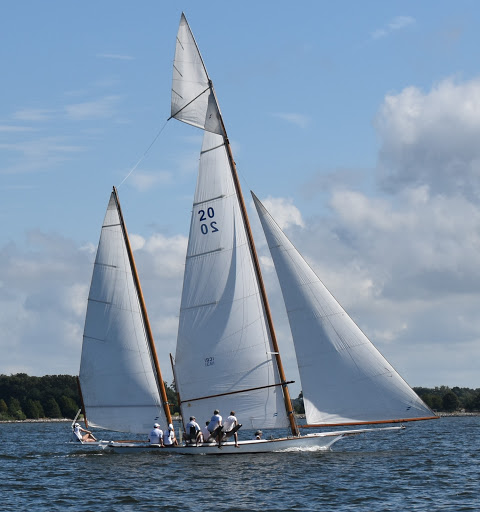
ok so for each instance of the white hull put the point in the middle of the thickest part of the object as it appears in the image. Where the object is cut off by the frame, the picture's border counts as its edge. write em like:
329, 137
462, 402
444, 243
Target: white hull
309, 442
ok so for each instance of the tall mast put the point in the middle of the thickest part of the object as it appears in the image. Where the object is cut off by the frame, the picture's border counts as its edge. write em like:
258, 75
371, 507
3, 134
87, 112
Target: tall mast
263, 293
148, 329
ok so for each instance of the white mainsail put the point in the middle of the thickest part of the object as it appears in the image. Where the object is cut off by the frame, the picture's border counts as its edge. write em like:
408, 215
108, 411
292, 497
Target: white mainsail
345, 379
117, 374
193, 101
224, 353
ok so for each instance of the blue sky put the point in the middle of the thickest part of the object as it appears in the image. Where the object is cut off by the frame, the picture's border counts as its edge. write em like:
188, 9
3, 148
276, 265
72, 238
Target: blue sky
357, 124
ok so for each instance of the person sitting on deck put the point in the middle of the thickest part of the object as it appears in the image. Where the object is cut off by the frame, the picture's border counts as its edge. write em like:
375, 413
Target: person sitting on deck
205, 433
192, 430
258, 434
156, 435
230, 426
87, 438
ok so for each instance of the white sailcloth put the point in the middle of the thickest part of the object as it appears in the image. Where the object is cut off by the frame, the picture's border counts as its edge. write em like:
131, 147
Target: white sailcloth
193, 101
345, 379
224, 356
117, 376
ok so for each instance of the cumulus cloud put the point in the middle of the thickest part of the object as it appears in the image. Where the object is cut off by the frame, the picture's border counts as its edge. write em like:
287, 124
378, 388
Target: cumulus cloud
283, 211
43, 297
432, 138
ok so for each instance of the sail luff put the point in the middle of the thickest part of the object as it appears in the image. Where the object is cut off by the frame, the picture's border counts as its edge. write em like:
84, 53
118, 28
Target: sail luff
148, 328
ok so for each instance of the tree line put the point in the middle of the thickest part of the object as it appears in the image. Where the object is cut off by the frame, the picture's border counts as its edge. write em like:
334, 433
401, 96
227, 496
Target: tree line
57, 396
439, 399
52, 396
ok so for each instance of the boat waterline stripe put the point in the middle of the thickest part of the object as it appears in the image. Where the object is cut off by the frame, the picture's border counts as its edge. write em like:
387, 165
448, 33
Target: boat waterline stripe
208, 200
404, 420
236, 392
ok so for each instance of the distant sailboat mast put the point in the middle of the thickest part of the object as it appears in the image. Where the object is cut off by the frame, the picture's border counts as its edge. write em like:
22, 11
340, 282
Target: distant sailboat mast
151, 343
207, 116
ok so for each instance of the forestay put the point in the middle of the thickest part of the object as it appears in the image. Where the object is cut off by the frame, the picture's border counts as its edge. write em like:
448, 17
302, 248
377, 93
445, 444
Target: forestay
117, 374
224, 356
344, 378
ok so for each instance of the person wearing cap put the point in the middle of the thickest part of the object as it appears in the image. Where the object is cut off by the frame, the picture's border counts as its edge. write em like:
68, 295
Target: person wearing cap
169, 438
192, 430
156, 435
258, 434
87, 438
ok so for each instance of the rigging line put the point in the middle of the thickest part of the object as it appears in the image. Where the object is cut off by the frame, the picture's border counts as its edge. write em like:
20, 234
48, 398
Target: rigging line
144, 154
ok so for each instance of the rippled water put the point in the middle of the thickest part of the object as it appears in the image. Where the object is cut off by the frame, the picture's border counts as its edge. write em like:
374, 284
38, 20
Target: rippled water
430, 466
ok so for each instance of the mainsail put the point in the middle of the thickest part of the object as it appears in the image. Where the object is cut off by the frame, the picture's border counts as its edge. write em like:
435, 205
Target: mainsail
120, 384
344, 378
224, 353
225, 358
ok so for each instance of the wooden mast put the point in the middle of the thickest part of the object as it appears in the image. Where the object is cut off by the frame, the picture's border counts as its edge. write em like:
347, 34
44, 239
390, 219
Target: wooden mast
153, 351
263, 293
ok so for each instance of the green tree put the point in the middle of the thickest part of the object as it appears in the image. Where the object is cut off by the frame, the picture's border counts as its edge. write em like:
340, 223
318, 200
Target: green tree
52, 409
68, 407
3, 406
450, 401
31, 409
15, 409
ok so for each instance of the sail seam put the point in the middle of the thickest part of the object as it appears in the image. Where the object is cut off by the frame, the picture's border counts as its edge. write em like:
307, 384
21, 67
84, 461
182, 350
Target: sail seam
208, 200
211, 149
204, 253
200, 306
106, 265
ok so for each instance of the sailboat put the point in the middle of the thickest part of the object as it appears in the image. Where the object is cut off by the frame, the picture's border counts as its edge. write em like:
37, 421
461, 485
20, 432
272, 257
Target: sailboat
227, 356
120, 382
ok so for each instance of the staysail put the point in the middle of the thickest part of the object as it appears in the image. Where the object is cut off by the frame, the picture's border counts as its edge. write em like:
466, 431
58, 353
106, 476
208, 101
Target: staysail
120, 384
345, 379
224, 358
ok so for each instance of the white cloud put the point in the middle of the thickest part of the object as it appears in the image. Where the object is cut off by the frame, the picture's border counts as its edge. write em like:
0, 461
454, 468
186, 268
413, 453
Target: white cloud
432, 138
9, 128
114, 56
283, 211
296, 119
103, 108
143, 181
33, 114
397, 23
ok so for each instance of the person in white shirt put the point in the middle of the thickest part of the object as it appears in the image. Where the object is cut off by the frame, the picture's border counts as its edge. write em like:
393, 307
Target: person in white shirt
169, 438
156, 435
192, 430
87, 438
205, 434
229, 425
214, 426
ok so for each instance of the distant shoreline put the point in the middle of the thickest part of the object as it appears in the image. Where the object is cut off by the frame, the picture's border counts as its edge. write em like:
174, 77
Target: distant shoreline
178, 418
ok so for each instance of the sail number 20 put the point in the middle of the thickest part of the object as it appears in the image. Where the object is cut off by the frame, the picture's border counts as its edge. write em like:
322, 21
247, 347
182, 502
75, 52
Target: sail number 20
207, 225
